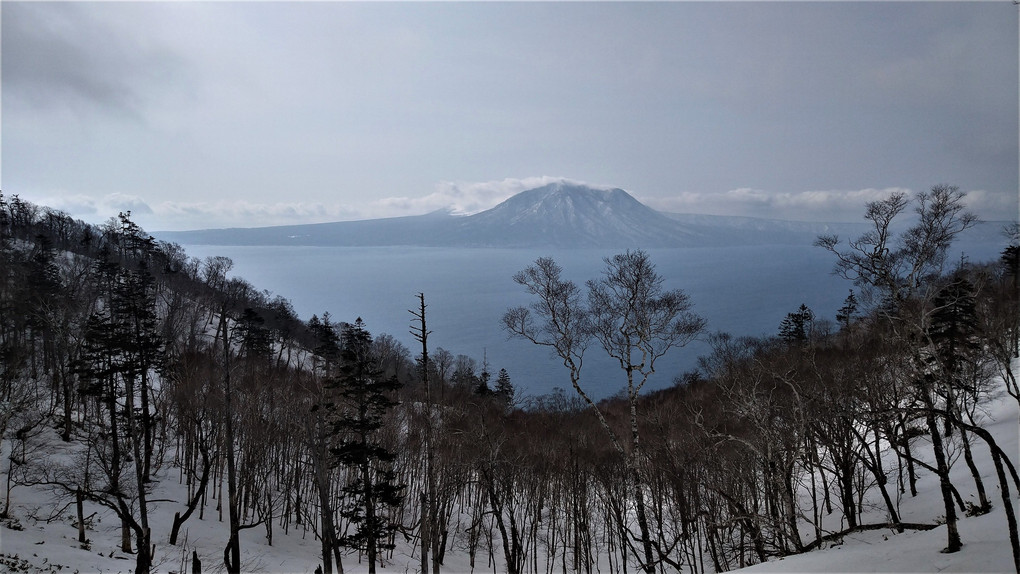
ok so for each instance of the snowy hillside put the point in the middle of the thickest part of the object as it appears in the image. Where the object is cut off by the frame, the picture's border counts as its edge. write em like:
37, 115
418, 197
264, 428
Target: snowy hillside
31, 543
986, 546
146, 394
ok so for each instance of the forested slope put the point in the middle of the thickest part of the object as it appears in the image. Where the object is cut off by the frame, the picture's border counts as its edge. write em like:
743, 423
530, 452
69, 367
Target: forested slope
159, 415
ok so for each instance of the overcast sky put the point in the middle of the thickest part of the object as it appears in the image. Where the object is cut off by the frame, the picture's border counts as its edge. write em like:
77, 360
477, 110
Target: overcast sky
198, 115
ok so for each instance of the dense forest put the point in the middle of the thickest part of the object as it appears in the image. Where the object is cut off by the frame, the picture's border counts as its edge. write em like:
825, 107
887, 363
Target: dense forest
138, 364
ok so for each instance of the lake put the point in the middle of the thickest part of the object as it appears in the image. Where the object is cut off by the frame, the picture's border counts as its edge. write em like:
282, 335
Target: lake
744, 290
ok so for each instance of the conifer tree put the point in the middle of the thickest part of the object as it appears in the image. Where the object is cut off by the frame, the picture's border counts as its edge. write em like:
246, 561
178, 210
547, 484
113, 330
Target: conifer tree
1010, 259
796, 327
504, 387
483, 379
121, 351
956, 342
846, 314
363, 399
326, 360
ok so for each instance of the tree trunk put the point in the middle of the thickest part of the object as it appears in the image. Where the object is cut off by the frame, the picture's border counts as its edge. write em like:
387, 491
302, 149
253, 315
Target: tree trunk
429, 504
875, 465
79, 508
634, 462
646, 538
232, 552
846, 492
983, 504
371, 542
1007, 505
143, 559
125, 537
953, 535
148, 444
791, 508
195, 498
327, 535
68, 398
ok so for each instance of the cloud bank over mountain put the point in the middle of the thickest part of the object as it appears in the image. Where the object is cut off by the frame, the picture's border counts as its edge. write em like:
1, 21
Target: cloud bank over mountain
560, 214
469, 198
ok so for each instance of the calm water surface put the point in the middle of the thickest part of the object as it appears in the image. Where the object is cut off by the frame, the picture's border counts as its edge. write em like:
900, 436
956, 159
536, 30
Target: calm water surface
740, 290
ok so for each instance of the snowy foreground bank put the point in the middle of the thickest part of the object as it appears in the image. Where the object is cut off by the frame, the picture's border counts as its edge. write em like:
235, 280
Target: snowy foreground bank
985, 538
30, 543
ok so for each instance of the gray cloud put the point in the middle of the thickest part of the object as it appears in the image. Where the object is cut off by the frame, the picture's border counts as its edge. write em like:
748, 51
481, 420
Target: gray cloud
67, 55
343, 110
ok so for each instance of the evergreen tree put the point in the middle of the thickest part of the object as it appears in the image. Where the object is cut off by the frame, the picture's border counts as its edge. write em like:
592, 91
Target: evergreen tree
954, 328
796, 327
326, 358
1010, 260
121, 351
255, 340
363, 399
846, 314
504, 387
483, 380
955, 336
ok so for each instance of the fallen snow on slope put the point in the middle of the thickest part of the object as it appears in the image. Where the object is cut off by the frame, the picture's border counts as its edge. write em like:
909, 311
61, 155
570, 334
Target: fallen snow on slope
30, 544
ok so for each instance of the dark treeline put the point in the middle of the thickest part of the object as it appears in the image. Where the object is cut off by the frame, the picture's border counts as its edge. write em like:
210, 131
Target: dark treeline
123, 363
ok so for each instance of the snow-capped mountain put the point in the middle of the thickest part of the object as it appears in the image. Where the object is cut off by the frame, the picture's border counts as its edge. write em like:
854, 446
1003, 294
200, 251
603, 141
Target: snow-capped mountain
558, 215
570, 215
555, 215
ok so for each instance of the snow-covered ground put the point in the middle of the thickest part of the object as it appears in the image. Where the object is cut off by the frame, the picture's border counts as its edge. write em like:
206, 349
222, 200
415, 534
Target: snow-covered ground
985, 538
37, 546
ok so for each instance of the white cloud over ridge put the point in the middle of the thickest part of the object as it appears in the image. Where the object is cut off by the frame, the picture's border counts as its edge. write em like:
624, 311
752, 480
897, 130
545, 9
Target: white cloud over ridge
814, 205
92, 209
459, 198
466, 198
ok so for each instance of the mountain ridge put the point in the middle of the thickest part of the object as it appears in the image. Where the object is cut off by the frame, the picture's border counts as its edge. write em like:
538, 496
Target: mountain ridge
557, 215
570, 215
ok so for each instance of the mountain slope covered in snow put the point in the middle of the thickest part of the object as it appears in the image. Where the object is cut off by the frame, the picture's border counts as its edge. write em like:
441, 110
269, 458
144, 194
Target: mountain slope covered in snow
565, 215
558, 215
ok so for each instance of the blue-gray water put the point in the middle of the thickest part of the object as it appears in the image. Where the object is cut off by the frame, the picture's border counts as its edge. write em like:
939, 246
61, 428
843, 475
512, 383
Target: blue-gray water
740, 290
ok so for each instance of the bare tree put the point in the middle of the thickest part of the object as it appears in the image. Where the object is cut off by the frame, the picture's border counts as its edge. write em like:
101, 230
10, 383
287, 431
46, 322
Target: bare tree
635, 321
904, 270
431, 541
903, 266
